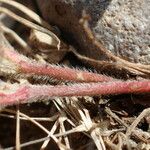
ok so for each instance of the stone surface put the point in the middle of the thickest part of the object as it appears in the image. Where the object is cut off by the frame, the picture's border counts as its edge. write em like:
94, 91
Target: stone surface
123, 26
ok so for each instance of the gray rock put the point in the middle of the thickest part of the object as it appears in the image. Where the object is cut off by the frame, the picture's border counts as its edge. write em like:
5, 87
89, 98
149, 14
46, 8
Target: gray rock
123, 26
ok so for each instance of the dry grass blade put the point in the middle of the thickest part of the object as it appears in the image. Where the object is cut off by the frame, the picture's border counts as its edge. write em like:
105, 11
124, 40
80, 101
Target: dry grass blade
40, 126
17, 129
28, 12
52, 131
30, 24
39, 119
16, 37
62, 119
95, 135
113, 115
90, 127
29, 118
126, 140
132, 127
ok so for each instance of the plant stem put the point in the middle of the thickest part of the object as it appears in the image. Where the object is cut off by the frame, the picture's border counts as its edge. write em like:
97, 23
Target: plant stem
26, 92
28, 66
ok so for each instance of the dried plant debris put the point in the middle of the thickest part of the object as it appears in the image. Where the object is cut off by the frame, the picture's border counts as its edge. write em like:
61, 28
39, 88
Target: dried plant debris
60, 102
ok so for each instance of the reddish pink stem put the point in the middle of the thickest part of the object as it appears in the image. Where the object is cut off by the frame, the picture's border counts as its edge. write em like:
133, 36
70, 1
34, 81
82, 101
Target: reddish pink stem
25, 65
27, 92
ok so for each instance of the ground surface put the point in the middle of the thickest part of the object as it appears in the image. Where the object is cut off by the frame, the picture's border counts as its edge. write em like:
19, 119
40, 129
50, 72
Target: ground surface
112, 122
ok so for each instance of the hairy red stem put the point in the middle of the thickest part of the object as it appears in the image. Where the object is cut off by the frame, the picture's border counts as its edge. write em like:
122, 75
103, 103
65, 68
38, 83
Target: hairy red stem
27, 92
28, 66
